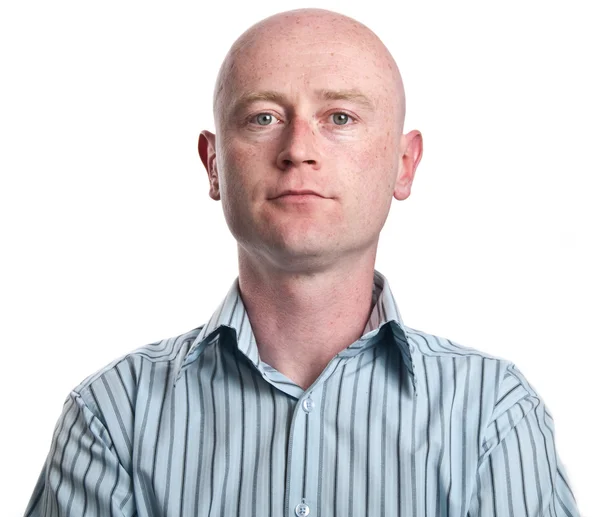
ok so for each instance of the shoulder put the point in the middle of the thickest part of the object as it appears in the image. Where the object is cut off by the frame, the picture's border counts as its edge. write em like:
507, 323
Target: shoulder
503, 372
431, 348
125, 374
493, 386
494, 394
468, 365
431, 345
432, 351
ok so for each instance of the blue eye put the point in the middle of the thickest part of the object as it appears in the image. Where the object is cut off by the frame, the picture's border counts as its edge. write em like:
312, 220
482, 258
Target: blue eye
340, 119
264, 119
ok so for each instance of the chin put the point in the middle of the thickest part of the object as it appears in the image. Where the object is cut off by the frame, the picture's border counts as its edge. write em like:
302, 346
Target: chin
306, 252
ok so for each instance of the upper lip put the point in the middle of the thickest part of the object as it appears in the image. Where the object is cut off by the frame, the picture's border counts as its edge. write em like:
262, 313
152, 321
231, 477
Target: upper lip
297, 193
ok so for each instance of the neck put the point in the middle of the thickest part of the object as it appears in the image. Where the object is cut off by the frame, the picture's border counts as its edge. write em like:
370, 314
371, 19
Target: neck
302, 320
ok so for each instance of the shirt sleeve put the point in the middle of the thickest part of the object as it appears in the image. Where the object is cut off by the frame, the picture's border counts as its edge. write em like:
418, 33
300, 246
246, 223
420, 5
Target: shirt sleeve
519, 472
82, 475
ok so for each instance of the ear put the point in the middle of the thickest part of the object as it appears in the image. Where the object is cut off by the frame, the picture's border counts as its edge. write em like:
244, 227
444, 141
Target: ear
411, 148
208, 155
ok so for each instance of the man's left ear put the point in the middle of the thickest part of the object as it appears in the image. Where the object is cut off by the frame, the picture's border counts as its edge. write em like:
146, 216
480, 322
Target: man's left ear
412, 147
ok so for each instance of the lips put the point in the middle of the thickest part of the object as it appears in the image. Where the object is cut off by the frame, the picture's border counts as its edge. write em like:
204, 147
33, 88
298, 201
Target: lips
302, 192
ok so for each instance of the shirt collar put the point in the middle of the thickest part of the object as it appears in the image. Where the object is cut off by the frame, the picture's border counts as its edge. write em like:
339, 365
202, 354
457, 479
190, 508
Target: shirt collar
232, 314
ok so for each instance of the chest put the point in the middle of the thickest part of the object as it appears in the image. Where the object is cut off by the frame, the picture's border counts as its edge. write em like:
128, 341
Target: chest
354, 447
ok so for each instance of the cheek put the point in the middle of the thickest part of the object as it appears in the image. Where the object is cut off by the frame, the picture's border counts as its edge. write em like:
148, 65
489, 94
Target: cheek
374, 168
237, 174
247, 176
387, 159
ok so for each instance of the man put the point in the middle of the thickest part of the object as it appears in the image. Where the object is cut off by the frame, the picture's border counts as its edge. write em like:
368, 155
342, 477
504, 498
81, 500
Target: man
305, 394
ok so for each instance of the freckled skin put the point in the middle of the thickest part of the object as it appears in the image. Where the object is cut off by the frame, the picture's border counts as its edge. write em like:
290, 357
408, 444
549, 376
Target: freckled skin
308, 99
359, 168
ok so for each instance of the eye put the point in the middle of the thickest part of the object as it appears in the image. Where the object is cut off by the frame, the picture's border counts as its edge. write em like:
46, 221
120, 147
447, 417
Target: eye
264, 119
340, 118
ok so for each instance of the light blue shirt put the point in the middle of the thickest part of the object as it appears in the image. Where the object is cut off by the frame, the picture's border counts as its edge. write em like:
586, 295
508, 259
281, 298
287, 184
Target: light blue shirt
400, 423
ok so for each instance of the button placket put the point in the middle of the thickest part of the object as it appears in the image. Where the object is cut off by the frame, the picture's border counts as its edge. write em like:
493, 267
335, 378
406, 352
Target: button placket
303, 462
308, 405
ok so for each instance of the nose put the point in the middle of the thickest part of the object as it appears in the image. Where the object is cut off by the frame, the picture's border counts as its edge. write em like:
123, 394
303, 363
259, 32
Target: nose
299, 146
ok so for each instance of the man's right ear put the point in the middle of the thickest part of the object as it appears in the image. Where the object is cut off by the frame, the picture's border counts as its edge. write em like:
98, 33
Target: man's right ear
208, 155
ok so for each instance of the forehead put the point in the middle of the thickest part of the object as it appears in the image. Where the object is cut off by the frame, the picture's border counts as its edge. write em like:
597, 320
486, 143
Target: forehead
304, 59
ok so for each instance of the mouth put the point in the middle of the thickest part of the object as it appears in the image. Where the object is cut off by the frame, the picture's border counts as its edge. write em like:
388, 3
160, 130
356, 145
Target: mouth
299, 195
299, 198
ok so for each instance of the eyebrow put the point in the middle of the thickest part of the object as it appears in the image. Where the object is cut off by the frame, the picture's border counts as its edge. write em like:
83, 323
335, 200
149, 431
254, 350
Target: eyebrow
251, 97
352, 95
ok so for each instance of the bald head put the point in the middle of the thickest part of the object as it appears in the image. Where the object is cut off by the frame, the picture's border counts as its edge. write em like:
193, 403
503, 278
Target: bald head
294, 36
308, 100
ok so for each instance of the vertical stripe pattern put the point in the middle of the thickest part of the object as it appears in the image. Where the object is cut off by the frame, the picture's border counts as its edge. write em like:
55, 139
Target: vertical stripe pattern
399, 423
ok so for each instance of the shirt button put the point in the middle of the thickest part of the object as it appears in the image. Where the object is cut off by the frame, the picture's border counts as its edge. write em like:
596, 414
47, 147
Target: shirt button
308, 405
302, 509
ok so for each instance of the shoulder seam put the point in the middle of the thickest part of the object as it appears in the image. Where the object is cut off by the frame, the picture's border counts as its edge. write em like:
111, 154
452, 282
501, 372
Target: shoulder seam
534, 405
141, 352
462, 351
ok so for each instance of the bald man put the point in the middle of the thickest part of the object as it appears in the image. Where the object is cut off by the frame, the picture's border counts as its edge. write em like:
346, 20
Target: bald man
305, 393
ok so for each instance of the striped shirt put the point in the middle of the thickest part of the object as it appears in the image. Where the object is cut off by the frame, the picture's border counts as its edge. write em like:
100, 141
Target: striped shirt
400, 423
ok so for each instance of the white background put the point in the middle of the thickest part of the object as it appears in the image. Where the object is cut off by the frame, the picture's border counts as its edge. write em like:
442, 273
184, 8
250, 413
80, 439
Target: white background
105, 213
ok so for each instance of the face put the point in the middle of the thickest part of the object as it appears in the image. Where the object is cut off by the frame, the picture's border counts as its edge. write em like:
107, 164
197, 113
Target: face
309, 150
